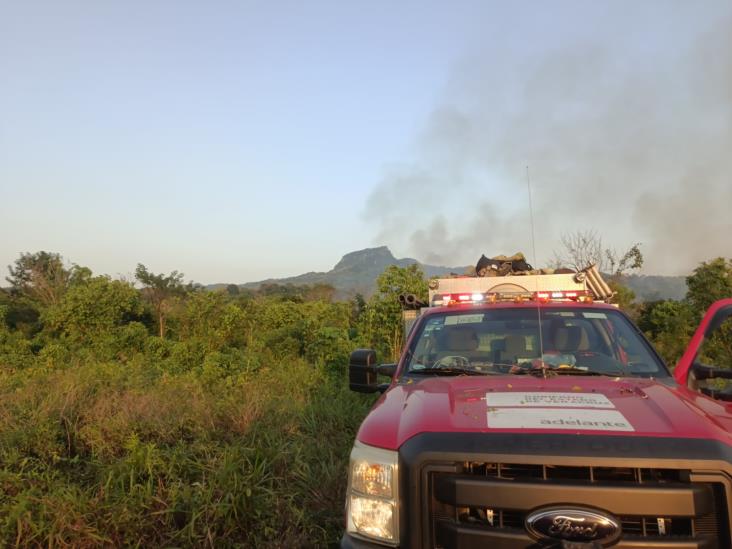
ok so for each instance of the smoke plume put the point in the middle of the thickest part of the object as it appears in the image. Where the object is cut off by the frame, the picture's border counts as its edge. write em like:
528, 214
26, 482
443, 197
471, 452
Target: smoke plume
638, 148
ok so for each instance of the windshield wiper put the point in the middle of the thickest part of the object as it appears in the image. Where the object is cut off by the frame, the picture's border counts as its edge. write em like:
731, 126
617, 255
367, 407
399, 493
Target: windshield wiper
574, 371
451, 371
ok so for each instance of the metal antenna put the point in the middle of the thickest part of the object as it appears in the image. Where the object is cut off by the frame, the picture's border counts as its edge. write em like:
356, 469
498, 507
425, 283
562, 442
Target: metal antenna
536, 280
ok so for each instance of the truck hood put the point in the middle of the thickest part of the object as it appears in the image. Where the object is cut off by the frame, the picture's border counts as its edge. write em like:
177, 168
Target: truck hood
562, 404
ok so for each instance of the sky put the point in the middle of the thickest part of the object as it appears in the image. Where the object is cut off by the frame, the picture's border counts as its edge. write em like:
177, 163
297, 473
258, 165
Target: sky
236, 141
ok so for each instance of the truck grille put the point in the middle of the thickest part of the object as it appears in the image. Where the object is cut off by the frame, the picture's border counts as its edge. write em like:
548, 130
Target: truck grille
660, 508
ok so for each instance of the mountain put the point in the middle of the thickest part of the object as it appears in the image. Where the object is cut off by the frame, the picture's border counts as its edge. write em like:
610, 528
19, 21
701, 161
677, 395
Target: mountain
356, 272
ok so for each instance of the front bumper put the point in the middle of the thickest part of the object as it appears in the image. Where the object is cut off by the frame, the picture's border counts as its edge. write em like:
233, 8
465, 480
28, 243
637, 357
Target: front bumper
649, 482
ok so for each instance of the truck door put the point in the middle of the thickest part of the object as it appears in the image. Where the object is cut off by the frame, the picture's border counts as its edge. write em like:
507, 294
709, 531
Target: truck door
691, 370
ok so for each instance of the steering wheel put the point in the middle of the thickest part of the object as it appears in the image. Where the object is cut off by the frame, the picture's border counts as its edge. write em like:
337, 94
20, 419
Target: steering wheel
452, 361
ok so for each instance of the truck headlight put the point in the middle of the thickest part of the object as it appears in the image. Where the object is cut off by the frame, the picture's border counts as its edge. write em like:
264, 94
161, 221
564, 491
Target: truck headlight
372, 506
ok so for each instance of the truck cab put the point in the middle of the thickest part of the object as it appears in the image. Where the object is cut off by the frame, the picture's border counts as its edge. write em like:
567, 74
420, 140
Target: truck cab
527, 419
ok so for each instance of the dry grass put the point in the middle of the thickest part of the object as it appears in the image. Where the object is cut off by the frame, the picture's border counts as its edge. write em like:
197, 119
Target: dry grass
118, 455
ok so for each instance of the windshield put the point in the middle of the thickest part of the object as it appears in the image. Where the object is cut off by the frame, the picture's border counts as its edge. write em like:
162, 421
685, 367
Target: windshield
507, 341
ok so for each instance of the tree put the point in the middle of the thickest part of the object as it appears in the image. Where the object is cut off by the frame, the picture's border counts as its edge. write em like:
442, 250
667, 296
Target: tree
670, 325
319, 292
160, 290
579, 249
709, 282
584, 248
41, 277
617, 264
15, 348
95, 308
380, 323
20, 313
624, 298
286, 292
358, 306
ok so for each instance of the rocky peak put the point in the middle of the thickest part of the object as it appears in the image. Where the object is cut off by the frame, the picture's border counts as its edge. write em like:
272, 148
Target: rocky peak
366, 260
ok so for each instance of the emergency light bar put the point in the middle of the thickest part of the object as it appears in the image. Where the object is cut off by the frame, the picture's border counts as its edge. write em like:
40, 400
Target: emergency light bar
492, 297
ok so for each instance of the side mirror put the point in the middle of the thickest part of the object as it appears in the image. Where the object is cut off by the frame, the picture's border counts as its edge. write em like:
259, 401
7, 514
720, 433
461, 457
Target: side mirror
710, 372
363, 372
701, 372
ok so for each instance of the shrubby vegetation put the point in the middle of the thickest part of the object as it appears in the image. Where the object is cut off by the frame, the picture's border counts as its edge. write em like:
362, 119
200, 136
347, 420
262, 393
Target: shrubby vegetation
157, 413
167, 415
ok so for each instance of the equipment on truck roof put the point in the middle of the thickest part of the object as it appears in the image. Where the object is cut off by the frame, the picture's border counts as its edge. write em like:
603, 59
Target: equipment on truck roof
583, 285
502, 265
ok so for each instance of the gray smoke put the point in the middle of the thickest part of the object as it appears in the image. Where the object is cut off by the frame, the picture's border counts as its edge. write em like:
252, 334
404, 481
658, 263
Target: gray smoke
638, 148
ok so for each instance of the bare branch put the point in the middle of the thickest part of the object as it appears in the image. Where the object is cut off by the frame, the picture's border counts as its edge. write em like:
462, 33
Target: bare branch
583, 248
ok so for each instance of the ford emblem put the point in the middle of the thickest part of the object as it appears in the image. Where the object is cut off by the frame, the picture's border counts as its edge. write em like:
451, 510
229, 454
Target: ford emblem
573, 524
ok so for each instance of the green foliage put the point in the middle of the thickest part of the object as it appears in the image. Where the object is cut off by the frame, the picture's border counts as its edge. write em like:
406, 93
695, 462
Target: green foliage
709, 282
19, 313
41, 277
619, 263
670, 325
15, 350
160, 291
624, 297
717, 348
402, 280
380, 325
112, 436
292, 292
93, 309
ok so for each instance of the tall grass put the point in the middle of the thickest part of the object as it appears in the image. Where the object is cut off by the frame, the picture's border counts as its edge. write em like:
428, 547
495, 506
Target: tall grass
111, 454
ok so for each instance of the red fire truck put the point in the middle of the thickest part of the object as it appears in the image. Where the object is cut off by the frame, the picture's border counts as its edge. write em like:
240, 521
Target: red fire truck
526, 412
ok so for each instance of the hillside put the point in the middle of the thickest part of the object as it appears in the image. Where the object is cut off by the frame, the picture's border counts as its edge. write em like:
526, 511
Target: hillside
656, 287
357, 271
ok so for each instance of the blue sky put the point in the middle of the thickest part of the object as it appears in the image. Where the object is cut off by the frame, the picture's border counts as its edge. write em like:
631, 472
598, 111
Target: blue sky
235, 141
